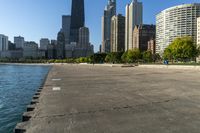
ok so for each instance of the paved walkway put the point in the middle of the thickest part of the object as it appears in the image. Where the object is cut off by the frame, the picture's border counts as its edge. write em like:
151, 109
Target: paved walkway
87, 99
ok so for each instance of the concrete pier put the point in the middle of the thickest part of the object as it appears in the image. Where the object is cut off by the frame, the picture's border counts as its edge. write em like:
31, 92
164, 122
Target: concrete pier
98, 99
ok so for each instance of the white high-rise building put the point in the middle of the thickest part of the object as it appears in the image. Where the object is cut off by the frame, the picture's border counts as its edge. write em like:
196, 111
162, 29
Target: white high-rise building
177, 21
19, 42
198, 36
198, 32
3, 43
134, 16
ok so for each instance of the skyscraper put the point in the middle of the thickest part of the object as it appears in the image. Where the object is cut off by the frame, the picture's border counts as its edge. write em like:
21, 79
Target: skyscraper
30, 50
60, 45
66, 20
3, 43
19, 42
117, 33
44, 42
83, 48
109, 12
134, 16
84, 37
78, 44
77, 19
141, 35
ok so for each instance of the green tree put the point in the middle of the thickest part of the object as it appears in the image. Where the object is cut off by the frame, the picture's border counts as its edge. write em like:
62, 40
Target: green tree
181, 49
147, 56
98, 58
168, 54
114, 57
118, 57
133, 55
108, 58
124, 57
83, 60
157, 57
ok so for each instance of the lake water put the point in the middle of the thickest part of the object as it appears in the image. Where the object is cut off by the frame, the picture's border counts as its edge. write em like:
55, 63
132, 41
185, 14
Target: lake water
18, 84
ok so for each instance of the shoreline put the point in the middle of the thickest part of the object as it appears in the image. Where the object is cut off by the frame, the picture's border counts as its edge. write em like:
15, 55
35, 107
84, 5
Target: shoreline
27, 114
150, 66
19, 84
27, 64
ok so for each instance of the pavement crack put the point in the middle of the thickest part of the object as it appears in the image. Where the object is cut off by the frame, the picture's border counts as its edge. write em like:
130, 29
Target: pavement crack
115, 108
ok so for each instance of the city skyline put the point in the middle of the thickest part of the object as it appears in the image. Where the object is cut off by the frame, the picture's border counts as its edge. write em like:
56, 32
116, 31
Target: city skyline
44, 21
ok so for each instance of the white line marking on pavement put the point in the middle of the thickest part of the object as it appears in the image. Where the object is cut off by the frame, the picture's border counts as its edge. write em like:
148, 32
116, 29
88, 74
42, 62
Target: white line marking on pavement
56, 89
56, 79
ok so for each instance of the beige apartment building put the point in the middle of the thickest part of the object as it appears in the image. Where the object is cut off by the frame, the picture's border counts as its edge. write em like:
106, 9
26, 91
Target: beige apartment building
134, 16
117, 33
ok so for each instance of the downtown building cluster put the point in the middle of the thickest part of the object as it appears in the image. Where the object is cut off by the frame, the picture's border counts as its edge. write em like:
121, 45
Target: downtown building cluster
74, 37
73, 40
25, 49
123, 33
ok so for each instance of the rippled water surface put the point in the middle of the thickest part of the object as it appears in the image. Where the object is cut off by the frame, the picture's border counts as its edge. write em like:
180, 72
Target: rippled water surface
17, 86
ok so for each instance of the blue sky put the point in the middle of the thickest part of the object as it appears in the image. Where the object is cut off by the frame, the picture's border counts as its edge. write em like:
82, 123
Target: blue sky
35, 19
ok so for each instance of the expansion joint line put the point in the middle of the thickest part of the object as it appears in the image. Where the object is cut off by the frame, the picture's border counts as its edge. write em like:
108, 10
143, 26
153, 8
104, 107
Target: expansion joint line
104, 110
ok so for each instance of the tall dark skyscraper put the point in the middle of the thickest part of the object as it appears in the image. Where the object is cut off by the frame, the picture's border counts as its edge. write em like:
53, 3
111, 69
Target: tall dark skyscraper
77, 19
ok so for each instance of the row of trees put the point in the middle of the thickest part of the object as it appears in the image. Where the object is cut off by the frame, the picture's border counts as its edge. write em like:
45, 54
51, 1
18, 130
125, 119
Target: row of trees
132, 56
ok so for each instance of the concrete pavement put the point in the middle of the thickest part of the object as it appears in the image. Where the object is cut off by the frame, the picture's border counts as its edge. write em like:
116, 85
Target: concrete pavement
87, 99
